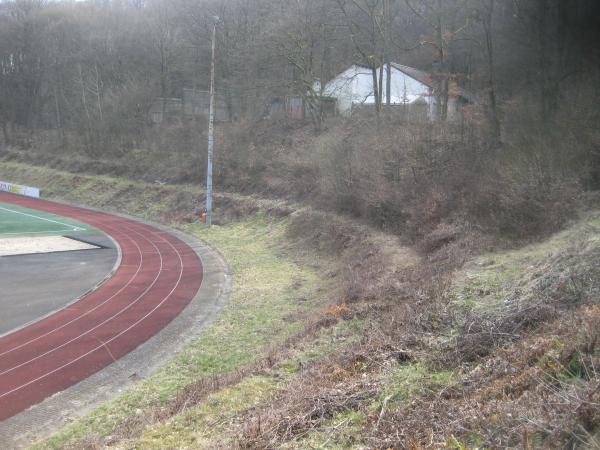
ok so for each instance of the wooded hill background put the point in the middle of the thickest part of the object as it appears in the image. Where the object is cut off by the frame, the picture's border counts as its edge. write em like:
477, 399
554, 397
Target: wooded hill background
78, 79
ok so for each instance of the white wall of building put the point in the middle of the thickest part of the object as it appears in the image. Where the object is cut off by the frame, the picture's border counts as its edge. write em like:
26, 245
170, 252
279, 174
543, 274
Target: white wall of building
354, 87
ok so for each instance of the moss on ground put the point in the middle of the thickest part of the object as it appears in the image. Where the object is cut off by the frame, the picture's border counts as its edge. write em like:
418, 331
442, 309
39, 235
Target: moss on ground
405, 382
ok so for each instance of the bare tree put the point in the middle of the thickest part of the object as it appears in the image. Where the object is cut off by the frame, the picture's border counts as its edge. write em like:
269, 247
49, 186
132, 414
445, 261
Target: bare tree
365, 22
446, 20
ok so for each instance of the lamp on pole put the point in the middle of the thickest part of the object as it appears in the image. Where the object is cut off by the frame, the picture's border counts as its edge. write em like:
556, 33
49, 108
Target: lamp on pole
211, 119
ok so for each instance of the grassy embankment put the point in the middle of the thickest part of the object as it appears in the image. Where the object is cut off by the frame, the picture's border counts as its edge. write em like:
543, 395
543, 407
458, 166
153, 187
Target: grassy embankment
515, 365
517, 333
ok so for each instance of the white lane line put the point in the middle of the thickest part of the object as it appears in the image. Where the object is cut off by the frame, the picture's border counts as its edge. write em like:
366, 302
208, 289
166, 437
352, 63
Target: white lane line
129, 305
114, 337
139, 267
39, 232
71, 227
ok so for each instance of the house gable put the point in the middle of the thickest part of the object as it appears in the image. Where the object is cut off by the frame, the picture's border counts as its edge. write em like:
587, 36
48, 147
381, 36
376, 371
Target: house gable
354, 86
405, 88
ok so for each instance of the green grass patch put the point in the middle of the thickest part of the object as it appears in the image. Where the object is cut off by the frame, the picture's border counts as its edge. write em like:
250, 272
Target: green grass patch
205, 425
344, 431
470, 441
409, 381
324, 343
399, 387
18, 221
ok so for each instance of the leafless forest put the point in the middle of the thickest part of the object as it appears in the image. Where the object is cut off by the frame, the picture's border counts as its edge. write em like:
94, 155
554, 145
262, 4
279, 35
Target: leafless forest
79, 80
99, 87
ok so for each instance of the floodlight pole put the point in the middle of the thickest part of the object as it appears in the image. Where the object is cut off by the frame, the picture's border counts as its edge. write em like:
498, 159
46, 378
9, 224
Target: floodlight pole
211, 119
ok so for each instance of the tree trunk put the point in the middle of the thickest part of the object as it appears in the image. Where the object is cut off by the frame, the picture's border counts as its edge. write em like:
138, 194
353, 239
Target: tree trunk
380, 91
549, 86
5, 133
388, 85
89, 130
388, 27
98, 92
58, 115
375, 88
444, 99
493, 108
443, 82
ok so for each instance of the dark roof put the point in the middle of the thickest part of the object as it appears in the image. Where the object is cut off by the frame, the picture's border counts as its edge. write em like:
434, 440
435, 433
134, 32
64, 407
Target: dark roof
417, 74
427, 79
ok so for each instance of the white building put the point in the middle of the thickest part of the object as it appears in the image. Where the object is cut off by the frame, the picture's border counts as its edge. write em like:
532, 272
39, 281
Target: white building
353, 89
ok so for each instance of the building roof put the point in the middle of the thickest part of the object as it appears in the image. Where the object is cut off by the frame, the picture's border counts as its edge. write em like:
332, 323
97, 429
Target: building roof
417, 74
427, 79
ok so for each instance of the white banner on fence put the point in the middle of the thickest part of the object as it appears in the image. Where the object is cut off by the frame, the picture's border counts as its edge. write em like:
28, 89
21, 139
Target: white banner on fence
18, 189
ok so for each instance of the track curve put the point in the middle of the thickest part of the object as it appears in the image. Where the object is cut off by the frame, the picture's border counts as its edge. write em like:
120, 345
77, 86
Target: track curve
158, 276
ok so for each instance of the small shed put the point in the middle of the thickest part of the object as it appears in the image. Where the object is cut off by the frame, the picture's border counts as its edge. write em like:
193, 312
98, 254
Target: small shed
296, 107
195, 103
290, 106
165, 109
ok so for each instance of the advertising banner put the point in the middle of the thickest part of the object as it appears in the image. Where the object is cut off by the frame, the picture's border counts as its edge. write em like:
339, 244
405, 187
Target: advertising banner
18, 189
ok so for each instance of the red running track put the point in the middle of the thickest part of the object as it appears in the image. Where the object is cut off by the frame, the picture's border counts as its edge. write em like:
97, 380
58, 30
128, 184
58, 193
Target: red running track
158, 276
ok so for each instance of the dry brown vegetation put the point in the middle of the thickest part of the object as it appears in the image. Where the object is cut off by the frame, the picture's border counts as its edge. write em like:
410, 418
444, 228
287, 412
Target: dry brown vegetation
519, 368
523, 372
522, 376
429, 370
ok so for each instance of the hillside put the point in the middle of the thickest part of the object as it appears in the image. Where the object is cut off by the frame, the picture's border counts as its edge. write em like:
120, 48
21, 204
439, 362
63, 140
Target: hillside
339, 336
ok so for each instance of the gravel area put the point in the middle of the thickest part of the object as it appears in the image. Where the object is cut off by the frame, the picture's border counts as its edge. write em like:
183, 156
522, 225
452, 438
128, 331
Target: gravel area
40, 244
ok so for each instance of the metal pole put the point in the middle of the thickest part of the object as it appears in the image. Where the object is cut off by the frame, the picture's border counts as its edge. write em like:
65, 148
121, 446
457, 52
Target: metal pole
211, 119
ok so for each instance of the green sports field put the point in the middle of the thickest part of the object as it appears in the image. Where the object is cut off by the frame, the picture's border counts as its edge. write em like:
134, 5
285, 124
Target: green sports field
18, 221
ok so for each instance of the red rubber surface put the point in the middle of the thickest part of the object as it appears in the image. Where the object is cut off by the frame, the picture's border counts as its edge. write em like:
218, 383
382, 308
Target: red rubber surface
158, 276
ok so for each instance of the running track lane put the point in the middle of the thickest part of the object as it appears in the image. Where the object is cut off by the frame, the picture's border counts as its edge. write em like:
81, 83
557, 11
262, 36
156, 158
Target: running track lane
158, 276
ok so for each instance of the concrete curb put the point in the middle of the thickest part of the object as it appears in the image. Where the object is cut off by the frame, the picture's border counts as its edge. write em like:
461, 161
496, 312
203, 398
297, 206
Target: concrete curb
55, 412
